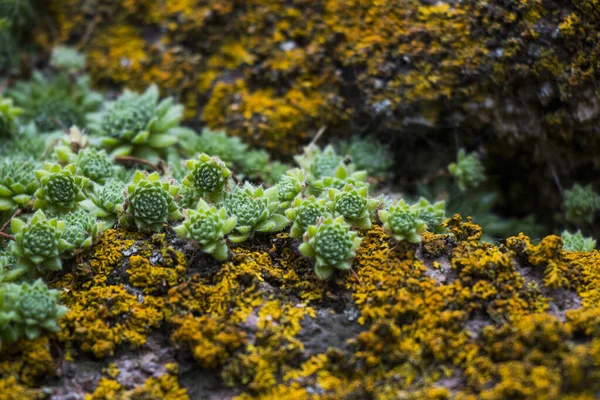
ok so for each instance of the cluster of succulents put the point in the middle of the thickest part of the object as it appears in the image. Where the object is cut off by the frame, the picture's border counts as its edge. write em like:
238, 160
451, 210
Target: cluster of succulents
211, 189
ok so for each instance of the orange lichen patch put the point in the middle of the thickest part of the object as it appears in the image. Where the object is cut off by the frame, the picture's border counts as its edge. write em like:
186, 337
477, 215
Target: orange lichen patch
118, 54
164, 387
152, 278
435, 245
108, 389
570, 270
11, 389
587, 266
231, 292
108, 255
274, 348
211, 340
262, 117
101, 318
28, 360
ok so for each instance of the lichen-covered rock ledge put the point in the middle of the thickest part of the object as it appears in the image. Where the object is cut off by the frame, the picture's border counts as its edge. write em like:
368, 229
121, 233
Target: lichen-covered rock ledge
453, 317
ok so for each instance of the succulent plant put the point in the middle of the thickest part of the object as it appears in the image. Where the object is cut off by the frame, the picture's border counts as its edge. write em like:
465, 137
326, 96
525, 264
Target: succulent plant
26, 310
106, 201
55, 103
467, 170
81, 228
353, 204
289, 187
581, 203
17, 182
151, 202
576, 242
207, 226
402, 222
254, 209
8, 118
67, 59
432, 214
370, 155
319, 163
95, 164
208, 177
333, 245
304, 212
60, 188
137, 124
343, 175
37, 243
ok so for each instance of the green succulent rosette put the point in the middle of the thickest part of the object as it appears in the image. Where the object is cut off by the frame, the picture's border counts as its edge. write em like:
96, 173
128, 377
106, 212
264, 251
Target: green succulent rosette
81, 229
17, 182
38, 243
332, 244
106, 201
577, 242
27, 310
137, 125
95, 165
467, 170
432, 214
319, 163
289, 187
306, 211
151, 202
207, 227
402, 222
254, 209
61, 189
353, 204
581, 203
342, 176
208, 177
